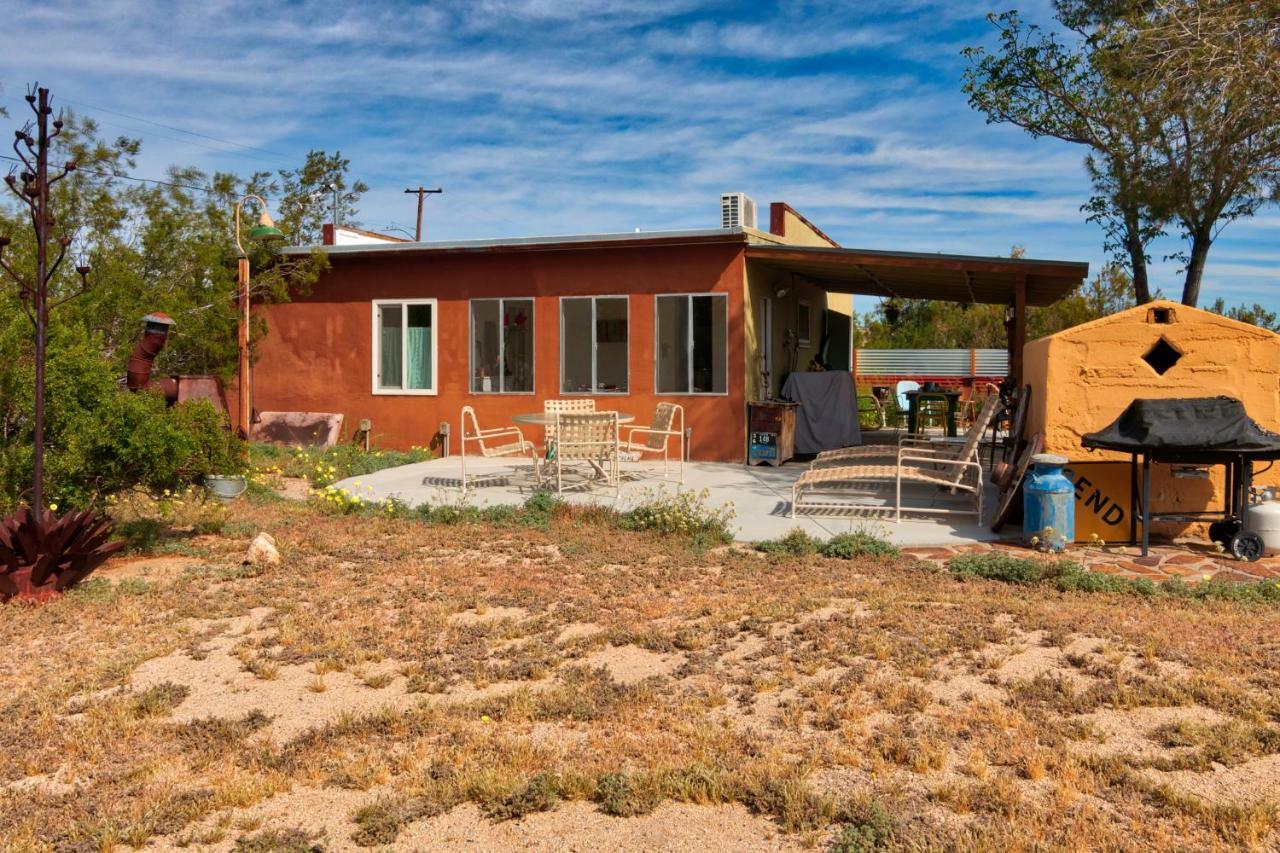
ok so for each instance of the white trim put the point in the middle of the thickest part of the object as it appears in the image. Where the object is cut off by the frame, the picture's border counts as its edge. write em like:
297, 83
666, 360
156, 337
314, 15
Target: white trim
657, 346
804, 339
502, 344
594, 345
375, 355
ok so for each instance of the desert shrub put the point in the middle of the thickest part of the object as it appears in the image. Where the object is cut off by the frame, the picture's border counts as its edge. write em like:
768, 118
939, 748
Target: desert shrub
101, 440
995, 565
541, 794
859, 543
685, 512
326, 465
622, 795
796, 543
872, 830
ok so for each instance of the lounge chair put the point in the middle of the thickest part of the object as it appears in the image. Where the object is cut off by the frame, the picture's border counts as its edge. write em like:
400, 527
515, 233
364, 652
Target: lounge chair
941, 448
954, 468
590, 437
668, 423
500, 441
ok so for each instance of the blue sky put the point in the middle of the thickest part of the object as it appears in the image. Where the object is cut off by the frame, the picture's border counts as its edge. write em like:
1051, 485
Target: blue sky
563, 116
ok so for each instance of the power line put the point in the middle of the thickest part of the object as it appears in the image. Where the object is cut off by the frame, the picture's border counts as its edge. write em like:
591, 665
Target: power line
178, 129
124, 177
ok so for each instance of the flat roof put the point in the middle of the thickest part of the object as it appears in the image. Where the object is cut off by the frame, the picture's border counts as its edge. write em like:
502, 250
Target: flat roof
924, 275
560, 241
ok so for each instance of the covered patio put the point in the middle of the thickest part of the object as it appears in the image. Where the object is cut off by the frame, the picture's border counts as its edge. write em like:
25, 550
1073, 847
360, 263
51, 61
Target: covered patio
1016, 283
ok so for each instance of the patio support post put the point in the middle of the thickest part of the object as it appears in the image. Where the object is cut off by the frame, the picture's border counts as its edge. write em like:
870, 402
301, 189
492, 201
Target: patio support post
1018, 331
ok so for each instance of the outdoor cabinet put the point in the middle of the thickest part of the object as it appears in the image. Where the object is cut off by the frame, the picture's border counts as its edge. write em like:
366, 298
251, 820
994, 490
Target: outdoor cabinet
771, 433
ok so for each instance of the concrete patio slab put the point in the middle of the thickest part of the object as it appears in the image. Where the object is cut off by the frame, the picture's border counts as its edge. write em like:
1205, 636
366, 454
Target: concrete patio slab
760, 498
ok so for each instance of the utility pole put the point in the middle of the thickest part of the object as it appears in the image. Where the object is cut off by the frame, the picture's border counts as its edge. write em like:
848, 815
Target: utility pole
32, 185
422, 192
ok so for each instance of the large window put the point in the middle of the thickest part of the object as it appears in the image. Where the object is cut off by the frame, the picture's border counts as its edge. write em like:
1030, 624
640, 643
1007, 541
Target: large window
404, 346
593, 345
501, 346
692, 339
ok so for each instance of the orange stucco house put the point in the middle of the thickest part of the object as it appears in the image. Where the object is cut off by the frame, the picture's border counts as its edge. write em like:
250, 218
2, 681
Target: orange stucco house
405, 334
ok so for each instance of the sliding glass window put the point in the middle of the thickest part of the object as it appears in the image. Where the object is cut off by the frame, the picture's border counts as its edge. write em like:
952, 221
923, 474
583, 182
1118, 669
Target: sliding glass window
501, 346
594, 350
692, 344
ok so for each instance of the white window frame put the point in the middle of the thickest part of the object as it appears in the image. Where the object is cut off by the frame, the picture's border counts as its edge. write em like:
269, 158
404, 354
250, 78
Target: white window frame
375, 355
595, 346
689, 330
502, 343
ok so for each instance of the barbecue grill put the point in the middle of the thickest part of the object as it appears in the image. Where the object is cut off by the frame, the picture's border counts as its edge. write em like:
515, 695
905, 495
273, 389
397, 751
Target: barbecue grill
1201, 431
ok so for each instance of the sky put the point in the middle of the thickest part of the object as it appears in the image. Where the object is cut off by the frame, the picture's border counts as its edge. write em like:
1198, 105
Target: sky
542, 117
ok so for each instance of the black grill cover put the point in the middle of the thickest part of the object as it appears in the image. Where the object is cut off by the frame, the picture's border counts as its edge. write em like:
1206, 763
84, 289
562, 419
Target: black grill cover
1183, 428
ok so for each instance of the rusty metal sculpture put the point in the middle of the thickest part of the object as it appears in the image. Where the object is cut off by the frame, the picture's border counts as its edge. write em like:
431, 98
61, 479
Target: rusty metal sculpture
36, 545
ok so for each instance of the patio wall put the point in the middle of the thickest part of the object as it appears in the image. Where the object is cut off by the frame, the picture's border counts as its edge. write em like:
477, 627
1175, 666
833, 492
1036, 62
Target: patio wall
317, 354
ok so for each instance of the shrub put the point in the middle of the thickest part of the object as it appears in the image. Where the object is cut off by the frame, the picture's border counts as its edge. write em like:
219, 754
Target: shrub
101, 440
994, 565
873, 830
621, 795
796, 543
326, 465
684, 512
860, 543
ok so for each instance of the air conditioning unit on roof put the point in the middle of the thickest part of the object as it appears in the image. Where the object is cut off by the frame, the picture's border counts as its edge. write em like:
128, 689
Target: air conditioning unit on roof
737, 210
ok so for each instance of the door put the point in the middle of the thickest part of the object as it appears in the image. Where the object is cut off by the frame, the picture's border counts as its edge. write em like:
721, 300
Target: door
764, 345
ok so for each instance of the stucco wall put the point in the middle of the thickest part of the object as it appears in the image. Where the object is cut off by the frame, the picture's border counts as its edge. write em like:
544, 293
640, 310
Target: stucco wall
318, 355
762, 284
1084, 377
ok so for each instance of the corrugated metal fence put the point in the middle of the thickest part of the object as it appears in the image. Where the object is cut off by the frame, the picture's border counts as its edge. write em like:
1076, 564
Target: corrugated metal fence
932, 363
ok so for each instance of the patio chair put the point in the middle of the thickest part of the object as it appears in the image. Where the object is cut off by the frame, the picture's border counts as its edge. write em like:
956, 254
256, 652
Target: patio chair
590, 437
573, 404
497, 442
944, 447
668, 423
950, 467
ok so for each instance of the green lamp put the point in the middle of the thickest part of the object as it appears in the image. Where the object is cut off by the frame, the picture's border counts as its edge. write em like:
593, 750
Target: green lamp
265, 230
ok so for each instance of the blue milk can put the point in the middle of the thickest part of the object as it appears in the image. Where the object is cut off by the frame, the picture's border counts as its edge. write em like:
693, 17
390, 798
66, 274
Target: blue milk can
1049, 503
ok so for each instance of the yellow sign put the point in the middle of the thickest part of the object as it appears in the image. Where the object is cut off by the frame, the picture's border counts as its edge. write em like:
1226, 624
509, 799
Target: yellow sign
1103, 492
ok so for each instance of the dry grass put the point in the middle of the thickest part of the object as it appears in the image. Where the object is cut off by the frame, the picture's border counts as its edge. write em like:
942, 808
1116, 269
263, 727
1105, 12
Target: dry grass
392, 674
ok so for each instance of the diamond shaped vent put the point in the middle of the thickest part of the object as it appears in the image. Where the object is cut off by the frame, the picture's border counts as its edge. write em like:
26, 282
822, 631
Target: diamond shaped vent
1162, 356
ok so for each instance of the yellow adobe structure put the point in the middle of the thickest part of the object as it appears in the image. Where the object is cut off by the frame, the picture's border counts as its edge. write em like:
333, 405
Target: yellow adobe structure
1082, 378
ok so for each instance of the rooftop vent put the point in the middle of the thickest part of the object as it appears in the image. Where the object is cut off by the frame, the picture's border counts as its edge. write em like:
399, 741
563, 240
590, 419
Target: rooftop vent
1163, 316
1162, 357
737, 210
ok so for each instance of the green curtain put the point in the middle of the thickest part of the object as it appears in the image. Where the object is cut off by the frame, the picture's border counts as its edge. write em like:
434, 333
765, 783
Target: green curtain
419, 357
391, 372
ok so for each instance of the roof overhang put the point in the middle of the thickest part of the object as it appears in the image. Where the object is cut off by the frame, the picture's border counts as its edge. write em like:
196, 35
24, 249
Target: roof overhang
921, 275
637, 239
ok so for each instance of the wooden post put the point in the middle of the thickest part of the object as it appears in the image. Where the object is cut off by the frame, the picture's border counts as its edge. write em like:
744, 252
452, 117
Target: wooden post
1018, 331
243, 425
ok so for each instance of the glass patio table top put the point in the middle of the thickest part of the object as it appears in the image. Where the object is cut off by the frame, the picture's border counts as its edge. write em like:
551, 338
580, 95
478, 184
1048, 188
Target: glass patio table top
549, 418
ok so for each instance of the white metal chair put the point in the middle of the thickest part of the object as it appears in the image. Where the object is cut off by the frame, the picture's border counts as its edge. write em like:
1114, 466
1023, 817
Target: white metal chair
497, 442
590, 437
577, 405
668, 423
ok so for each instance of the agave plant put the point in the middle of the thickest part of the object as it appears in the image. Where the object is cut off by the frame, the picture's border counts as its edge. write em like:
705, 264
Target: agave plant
58, 550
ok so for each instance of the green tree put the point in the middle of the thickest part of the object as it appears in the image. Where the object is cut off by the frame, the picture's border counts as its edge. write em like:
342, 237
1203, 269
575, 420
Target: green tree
1176, 100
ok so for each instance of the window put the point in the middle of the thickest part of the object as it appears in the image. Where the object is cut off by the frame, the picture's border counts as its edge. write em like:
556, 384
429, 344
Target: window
404, 346
803, 322
692, 338
593, 345
501, 346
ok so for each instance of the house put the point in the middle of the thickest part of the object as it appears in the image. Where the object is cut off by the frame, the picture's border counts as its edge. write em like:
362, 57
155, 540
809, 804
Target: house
404, 334
1082, 378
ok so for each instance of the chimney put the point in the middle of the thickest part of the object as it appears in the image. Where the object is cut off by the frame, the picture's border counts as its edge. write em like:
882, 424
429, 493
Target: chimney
328, 237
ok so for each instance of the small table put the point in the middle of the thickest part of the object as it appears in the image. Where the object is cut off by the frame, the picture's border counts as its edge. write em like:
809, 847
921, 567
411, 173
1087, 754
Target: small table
547, 419
913, 408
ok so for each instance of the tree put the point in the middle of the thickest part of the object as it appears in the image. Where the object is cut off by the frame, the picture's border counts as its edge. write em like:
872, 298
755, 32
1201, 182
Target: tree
308, 196
1175, 99
1255, 314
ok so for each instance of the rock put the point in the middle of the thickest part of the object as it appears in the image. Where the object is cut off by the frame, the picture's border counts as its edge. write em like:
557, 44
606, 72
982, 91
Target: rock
262, 551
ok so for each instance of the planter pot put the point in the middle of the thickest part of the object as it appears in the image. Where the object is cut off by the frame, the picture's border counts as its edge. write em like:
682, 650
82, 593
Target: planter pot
22, 580
226, 487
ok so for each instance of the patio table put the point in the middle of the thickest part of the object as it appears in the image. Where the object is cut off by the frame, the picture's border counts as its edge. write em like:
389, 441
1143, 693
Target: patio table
913, 408
546, 419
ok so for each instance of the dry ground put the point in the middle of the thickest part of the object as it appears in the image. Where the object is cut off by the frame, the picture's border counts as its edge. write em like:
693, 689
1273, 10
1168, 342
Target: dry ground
409, 686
